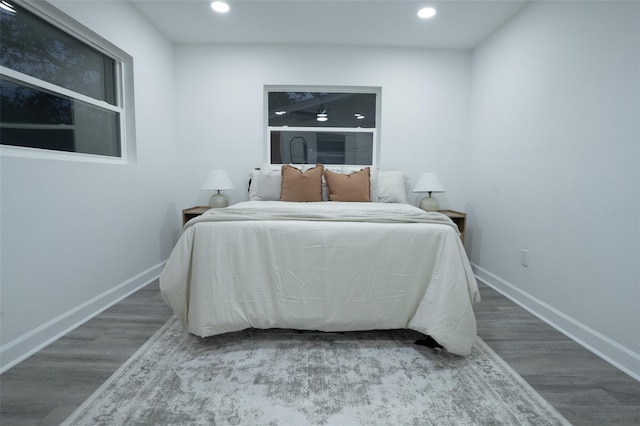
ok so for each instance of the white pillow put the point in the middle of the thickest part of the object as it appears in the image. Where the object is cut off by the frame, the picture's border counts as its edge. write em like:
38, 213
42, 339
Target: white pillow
268, 184
253, 183
392, 187
373, 180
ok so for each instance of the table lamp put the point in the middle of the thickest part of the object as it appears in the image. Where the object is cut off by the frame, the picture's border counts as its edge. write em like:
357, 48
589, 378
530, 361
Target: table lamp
218, 180
429, 182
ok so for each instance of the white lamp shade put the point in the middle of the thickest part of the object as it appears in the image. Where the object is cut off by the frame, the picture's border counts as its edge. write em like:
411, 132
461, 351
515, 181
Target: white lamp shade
428, 182
218, 179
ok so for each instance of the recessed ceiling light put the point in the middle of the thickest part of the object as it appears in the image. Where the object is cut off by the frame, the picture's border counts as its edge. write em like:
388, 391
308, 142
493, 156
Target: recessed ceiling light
426, 13
220, 6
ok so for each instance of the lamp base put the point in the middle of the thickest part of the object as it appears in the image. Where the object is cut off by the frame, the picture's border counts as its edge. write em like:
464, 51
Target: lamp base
429, 204
218, 201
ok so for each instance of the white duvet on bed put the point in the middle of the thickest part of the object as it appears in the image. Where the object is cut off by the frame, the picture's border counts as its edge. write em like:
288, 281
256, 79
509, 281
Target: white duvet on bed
323, 266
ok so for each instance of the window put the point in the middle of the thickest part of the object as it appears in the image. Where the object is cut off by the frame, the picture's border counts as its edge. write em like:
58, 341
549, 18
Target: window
62, 90
332, 126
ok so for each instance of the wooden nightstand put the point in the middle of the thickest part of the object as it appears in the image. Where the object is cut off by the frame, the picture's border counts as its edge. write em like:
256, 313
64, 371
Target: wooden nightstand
190, 213
459, 219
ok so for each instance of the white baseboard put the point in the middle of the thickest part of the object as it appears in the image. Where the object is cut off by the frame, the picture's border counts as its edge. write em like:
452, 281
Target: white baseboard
26, 345
614, 353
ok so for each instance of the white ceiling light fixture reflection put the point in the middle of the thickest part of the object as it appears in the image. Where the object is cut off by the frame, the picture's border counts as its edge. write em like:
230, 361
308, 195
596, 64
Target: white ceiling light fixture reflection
322, 113
220, 6
7, 6
426, 13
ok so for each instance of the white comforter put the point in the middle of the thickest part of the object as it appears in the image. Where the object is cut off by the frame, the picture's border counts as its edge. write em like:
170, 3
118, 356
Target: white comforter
323, 266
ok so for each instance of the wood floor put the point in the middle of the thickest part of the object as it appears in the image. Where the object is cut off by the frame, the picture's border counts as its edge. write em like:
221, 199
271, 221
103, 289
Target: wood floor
49, 386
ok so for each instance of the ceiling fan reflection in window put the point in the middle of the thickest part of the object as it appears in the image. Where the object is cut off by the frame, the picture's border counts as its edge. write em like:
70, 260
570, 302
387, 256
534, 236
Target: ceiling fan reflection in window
307, 110
322, 114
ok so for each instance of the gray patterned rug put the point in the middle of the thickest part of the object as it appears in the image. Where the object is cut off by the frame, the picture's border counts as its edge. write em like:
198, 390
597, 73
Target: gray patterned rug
286, 377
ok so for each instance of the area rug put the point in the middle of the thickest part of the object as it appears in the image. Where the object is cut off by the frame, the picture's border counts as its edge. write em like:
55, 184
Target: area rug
288, 377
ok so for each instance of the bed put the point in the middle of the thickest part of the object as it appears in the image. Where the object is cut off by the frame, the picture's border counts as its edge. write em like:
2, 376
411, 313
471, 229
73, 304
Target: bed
328, 266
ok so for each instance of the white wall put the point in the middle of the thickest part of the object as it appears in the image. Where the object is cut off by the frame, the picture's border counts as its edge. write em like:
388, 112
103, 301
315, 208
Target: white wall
77, 236
425, 103
554, 168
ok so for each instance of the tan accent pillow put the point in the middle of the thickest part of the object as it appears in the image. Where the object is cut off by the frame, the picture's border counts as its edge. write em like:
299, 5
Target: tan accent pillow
353, 187
299, 186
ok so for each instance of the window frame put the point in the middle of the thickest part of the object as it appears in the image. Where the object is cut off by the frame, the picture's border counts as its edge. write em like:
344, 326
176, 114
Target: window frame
376, 90
124, 96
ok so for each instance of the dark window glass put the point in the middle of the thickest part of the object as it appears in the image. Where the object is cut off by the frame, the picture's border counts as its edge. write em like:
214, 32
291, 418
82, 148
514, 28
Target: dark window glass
35, 118
326, 147
34, 47
309, 109
54, 139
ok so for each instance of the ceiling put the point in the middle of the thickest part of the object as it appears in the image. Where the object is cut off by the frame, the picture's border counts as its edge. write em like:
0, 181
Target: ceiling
458, 24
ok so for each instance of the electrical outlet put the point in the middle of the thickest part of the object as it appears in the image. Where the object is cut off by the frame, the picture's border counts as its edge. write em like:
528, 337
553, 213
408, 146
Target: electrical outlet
524, 258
